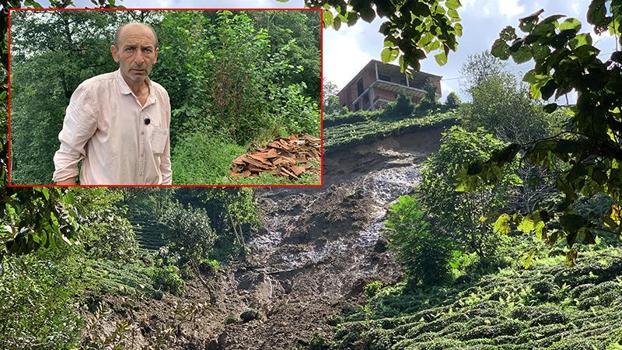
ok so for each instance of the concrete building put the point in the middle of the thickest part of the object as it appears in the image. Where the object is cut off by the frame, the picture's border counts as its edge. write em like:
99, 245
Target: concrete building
379, 83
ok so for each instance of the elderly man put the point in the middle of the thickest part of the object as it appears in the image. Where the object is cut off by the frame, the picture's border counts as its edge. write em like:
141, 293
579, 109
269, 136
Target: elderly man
117, 123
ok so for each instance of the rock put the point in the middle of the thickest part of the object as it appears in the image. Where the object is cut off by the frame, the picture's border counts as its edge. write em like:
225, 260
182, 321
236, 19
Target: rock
381, 245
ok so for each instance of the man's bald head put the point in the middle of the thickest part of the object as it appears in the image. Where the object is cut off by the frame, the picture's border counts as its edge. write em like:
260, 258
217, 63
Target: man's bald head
119, 32
136, 51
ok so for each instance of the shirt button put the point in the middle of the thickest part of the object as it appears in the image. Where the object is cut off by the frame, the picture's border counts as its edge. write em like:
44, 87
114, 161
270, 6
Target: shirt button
142, 132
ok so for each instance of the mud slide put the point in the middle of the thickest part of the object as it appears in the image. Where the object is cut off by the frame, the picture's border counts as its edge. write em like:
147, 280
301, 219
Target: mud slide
311, 262
322, 246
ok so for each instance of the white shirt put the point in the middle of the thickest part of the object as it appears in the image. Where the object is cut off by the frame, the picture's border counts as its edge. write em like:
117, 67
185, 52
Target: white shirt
105, 127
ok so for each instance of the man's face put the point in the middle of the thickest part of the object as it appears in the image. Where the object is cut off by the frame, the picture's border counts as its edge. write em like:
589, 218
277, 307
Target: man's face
136, 53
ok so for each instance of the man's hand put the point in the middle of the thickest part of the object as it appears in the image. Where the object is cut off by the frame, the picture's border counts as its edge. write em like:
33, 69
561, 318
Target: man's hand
71, 181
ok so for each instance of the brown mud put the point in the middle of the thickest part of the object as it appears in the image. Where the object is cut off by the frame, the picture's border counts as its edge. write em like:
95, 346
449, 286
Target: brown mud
310, 263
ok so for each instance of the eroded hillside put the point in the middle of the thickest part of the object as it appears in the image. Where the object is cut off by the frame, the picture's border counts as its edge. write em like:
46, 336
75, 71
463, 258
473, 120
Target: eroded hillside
310, 263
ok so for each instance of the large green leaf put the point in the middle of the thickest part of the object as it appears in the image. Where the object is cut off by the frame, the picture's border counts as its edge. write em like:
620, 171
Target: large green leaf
500, 49
328, 18
452, 4
570, 24
441, 58
521, 55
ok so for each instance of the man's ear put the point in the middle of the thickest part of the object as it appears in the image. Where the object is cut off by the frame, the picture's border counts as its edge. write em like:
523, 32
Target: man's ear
114, 52
155, 59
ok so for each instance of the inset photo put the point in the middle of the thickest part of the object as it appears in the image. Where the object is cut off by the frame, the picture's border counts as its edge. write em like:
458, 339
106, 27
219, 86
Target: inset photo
122, 97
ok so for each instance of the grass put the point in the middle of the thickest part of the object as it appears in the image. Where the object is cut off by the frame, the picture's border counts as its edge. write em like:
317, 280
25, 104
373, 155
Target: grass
205, 160
549, 306
201, 159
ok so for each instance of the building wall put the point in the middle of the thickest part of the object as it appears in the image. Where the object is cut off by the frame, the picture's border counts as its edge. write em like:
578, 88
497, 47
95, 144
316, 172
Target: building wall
368, 76
385, 94
392, 96
350, 93
437, 84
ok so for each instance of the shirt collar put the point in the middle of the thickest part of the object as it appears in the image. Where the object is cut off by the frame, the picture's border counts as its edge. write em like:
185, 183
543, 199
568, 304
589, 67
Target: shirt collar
125, 89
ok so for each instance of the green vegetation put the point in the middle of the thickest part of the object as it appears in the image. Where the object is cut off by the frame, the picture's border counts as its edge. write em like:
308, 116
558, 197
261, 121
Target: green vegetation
213, 164
494, 92
432, 26
337, 118
37, 307
484, 268
209, 266
346, 129
168, 280
423, 254
236, 81
474, 277
347, 135
584, 158
189, 232
464, 217
453, 101
401, 108
546, 307
57, 284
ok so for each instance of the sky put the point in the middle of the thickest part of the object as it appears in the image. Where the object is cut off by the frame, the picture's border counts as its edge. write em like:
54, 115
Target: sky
347, 50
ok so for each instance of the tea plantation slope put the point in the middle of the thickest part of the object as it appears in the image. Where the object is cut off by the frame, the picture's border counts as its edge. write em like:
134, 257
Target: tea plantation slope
377, 126
547, 307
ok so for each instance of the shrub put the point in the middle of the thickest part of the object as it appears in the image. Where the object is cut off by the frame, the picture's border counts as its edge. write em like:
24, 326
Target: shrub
452, 101
230, 319
462, 264
372, 289
37, 305
233, 214
106, 232
157, 294
423, 254
237, 77
189, 233
108, 235
296, 113
318, 342
464, 216
429, 101
501, 106
209, 266
168, 279
402, 107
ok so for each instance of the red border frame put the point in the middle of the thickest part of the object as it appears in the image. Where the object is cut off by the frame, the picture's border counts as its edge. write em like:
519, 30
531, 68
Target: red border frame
9, 158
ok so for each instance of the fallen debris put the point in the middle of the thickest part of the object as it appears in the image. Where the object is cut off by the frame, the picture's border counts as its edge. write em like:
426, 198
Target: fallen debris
290, 157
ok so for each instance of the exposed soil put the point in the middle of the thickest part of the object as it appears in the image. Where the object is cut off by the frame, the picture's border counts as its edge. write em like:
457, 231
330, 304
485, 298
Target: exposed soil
319, 249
